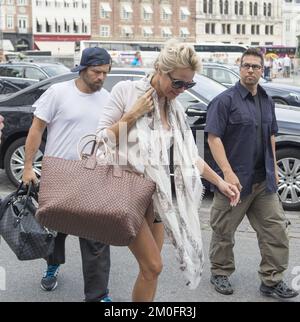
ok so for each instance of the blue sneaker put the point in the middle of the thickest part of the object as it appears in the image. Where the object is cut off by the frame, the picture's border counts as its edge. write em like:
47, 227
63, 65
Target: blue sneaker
107, 298
49, 280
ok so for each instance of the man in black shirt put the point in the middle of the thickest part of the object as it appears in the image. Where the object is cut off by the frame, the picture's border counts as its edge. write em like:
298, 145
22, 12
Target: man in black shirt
241, 126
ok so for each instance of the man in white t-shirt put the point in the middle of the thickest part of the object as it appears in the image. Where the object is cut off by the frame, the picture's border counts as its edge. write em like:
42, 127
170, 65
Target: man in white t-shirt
69, 111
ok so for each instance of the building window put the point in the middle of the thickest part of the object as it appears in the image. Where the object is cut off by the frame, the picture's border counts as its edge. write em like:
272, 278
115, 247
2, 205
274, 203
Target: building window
252, 29
22, 3
229, 29
147, 12
241, 8
266, 30
255, 9
147, 32
184, 13
244, 29
223, 29
269, 10
126, 11
226, 10
221, 6
38, 27
207, 28
48, 26
127, 32
184, 32
251, 9
166, 13
66, 27
66, 4
10, 22
272, 30
258, 29
166, 32
104, 31
105, 10
75, 27
205, 6
236, 8
238, 29
210, 7
265, 9
57, 27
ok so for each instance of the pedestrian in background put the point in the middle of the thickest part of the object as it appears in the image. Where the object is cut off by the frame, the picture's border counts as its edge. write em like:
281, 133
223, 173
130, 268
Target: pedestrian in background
71, 110
137, 60
241, 127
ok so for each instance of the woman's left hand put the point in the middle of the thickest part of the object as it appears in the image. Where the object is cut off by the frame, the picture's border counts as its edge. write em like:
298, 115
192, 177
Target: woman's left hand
230, 191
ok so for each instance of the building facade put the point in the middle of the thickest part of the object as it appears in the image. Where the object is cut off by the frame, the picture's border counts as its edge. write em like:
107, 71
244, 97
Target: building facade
249, 22
291, 22
147, 20
58, 24
15, 25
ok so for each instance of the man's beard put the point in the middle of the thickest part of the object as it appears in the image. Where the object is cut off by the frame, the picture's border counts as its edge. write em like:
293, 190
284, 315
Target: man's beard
95, 87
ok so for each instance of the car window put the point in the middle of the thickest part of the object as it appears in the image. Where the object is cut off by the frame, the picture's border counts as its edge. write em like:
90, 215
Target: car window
34, 73
186, 99
12, 71
112, 80
224, 76
207, 87
54, 70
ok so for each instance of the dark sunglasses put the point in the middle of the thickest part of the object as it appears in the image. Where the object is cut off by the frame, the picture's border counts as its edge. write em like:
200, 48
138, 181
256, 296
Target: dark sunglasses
254, 66
177, 84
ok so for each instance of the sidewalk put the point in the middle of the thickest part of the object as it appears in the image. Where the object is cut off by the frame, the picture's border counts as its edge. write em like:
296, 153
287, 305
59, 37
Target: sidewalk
293, 80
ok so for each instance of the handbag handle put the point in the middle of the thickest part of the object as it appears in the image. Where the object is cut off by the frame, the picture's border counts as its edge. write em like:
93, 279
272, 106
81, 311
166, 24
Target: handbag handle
95, 140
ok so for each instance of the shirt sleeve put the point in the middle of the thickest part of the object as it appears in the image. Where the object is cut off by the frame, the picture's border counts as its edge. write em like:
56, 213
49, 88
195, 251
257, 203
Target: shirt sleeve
274, 126
113, 110
45, 106
217, 117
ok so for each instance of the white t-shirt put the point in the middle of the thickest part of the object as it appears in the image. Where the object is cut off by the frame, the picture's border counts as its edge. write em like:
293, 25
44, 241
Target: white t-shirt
70, 114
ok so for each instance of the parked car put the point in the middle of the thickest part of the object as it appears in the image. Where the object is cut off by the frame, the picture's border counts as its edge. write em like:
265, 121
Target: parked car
7, 87
24, 74
227, 75
17, 110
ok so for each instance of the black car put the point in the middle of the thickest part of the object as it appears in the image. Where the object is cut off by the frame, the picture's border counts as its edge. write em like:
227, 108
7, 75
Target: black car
17, 110
228, 75
24, 74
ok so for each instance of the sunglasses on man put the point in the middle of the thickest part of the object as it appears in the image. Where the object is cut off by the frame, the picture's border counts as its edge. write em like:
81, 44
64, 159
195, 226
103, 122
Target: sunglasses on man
177, 84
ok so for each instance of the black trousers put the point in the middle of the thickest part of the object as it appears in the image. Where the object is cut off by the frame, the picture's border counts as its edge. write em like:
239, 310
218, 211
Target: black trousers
95, 265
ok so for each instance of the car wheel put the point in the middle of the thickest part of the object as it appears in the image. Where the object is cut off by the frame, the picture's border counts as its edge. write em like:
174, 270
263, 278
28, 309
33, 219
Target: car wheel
288, 162
280, 101
14, 161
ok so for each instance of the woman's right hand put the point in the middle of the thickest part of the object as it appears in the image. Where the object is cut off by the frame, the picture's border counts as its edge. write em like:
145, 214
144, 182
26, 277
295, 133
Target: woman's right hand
144, 104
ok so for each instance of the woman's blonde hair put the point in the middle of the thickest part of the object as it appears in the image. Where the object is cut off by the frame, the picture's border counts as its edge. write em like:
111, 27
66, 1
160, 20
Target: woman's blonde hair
177, 55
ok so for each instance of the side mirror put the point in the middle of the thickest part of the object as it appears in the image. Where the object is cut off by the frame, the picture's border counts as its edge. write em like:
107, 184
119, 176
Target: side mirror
198, 109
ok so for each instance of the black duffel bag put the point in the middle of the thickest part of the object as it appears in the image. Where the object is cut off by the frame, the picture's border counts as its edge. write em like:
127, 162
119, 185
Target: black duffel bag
19, 228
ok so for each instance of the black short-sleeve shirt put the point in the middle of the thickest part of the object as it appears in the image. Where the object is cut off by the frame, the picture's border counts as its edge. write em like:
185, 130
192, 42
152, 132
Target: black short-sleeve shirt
231, 116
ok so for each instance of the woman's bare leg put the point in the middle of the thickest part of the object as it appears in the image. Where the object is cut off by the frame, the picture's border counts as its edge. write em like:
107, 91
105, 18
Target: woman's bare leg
147, 252
158, 233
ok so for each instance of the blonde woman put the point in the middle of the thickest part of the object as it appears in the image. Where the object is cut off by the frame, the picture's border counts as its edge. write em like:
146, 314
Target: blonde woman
145, 117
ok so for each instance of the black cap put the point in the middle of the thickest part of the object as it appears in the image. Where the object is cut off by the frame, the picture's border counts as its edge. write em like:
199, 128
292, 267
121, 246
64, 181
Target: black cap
94, 56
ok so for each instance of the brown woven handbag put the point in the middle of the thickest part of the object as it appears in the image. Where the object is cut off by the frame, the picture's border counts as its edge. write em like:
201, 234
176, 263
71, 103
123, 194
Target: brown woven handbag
99, 202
